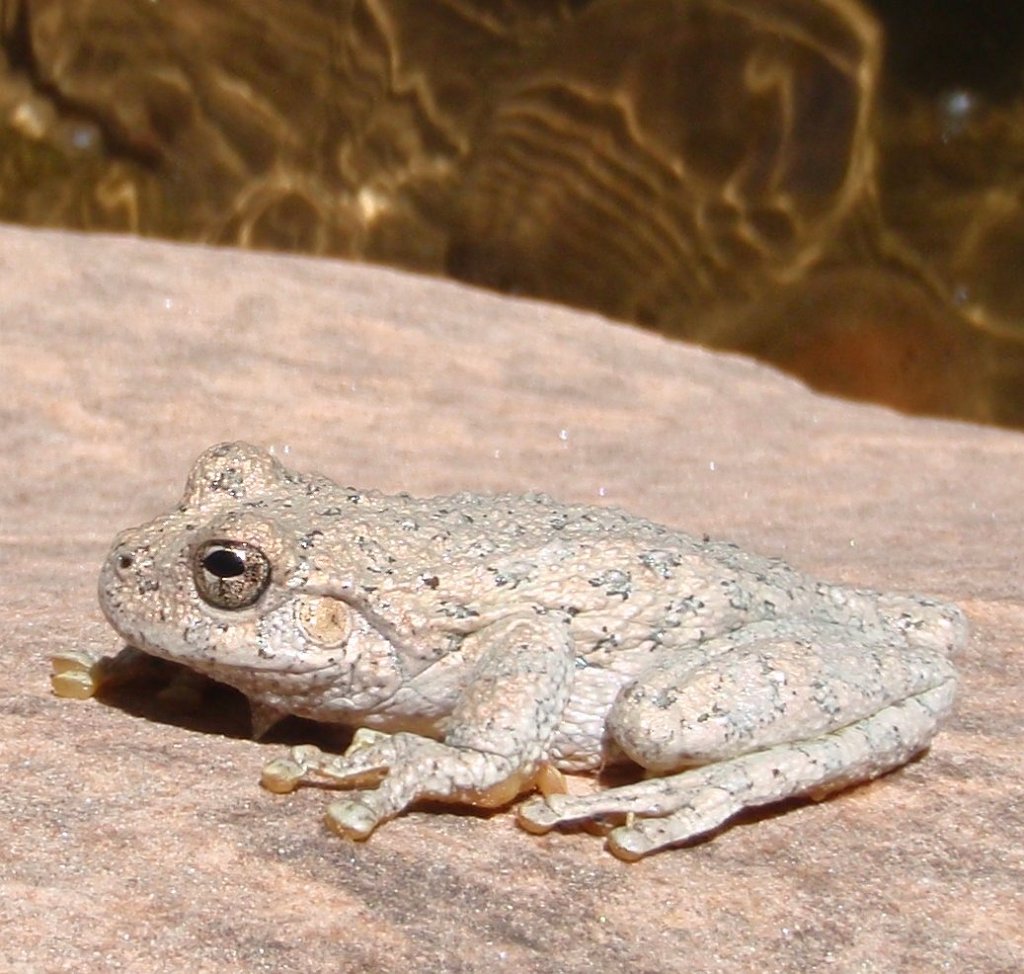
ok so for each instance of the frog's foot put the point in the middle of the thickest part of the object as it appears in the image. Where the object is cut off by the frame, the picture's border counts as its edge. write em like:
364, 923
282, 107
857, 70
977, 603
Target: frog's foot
396, 770
74, 674
79, 674
663, 811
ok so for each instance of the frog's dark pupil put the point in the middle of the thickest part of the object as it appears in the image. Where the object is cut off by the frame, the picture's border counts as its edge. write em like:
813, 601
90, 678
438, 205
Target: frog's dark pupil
224, 563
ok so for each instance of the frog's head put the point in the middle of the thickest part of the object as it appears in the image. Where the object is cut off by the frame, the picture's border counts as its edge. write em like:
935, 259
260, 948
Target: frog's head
227, 584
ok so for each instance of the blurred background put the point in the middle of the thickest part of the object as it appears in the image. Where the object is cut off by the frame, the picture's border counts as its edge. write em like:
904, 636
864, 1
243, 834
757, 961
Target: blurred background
832, 187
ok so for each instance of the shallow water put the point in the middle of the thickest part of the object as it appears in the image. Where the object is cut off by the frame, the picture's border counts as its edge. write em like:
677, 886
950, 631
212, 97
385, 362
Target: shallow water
757, 176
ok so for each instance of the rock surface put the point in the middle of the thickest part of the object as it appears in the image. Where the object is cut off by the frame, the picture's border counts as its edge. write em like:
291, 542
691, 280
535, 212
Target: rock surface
135, 837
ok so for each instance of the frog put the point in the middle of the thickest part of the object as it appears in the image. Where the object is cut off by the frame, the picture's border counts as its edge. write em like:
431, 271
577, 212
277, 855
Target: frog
484, 646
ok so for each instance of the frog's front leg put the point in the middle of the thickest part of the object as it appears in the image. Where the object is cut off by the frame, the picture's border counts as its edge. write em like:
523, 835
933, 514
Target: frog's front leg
494, 747
756, 720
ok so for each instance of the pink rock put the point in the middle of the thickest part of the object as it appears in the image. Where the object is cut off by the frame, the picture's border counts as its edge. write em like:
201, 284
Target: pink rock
135, 835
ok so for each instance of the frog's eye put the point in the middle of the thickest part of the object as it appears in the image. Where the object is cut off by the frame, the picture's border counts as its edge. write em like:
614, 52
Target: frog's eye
230, 574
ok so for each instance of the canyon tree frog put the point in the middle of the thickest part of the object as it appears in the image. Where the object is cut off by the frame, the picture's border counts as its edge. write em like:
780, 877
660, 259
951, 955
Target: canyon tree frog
489, 643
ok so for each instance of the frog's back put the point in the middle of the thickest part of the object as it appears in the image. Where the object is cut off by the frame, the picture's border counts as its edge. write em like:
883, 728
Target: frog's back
436, 568
624, 582
621, 579
506, 535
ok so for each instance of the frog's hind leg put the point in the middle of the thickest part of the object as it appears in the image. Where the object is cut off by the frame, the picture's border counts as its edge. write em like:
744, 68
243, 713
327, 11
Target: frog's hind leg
660, 812
778, 713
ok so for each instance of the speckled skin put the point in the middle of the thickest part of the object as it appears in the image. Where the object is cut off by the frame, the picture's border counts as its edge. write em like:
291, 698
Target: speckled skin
498, 637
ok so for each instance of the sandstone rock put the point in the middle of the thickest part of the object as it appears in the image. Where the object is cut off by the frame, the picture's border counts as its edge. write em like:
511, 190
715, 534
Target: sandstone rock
135, 836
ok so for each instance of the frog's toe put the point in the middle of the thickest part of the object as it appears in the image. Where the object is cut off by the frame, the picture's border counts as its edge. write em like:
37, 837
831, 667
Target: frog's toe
352, 818
636, 840
74, 674
537, 815
366, 737
640, 837
542, 814
281, 776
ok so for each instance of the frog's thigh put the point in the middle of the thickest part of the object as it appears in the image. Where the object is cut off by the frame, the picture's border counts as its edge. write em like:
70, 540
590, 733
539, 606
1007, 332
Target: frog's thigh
671, 809
767, 690
707, 797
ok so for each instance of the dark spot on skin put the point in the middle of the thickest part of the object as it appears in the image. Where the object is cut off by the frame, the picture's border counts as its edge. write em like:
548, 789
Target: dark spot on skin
614, 582
455, 610
431, 581
659, 562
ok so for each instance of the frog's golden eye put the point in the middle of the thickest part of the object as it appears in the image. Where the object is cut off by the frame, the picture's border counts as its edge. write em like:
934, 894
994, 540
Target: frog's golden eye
230, 574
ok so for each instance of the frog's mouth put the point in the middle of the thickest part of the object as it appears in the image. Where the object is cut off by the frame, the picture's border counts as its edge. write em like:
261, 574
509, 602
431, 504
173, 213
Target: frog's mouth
230, 654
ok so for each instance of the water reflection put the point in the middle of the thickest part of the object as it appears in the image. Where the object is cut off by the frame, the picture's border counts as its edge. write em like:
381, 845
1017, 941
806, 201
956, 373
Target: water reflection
742, 173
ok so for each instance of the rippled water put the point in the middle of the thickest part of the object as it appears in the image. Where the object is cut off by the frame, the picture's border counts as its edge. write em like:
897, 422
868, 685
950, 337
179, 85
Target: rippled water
751, 174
